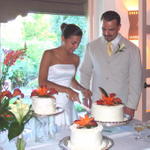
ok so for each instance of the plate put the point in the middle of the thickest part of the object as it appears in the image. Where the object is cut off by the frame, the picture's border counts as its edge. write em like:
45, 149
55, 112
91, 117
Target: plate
126, 120
106, 143
58, 111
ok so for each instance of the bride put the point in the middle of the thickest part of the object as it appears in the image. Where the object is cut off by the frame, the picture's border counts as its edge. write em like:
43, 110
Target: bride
58, 69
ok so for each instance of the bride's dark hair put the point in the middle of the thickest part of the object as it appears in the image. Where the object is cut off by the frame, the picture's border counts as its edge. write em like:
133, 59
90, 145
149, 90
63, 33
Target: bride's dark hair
70, 30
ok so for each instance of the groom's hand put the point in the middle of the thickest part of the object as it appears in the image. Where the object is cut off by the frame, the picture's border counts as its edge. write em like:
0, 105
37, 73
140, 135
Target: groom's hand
129, 111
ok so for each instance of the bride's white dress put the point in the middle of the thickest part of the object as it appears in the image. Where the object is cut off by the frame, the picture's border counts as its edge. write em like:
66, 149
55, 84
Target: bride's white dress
62, 74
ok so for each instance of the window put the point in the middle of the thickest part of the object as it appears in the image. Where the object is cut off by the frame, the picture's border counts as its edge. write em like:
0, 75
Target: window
39, 32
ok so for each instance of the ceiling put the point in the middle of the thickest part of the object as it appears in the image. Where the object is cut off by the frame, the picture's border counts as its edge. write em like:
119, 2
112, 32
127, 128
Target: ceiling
9, 9
76, 2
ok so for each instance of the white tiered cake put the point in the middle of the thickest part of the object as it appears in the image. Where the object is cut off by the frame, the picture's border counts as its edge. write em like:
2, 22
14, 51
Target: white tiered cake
43, 101
43, 105
107, 113
86, 135
108, 109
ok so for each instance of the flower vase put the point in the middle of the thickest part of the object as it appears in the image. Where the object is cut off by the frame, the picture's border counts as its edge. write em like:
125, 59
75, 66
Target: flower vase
3, 139
20, 143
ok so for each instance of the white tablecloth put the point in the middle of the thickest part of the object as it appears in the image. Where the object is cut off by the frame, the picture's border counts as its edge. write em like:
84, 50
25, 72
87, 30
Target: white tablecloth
123, 138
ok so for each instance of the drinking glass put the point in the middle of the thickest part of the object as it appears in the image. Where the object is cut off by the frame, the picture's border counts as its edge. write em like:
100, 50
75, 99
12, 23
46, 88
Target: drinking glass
139, 127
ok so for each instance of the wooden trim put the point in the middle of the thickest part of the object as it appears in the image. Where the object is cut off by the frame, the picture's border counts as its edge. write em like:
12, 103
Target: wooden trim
144, 29
90, 20
147, 29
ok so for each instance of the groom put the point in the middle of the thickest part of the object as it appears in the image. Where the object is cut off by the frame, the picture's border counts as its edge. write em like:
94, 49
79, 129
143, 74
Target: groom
113, 63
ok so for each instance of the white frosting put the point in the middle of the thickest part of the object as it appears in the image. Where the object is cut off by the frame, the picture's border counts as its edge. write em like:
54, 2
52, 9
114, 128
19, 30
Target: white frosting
107, 113
43, 105
85, 139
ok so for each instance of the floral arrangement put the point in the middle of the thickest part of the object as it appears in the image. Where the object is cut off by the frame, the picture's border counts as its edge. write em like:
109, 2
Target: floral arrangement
121, 48
10, 58
44, 92
109, 100
5, 115
14, 114
86, 122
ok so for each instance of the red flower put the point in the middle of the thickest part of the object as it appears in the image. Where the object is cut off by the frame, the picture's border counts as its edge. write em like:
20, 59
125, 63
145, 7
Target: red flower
86, 121
34, 93
112, 95
111, 99
10, 95
12, 56
8, 116
5, 93
43, 91
18, 92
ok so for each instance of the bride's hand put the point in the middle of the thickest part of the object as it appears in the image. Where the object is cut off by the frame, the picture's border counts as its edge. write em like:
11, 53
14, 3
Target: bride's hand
74, 96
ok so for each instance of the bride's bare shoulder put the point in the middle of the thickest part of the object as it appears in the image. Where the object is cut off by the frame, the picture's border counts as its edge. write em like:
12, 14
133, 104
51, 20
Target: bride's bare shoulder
50, 52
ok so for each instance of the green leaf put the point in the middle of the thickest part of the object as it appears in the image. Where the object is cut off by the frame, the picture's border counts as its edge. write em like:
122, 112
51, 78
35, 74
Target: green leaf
14, 130
3, 124
28, 116
103, 92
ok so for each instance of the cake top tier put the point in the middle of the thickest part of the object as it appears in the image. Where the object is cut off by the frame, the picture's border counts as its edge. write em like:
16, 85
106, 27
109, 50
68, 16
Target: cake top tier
108, 99
86, 122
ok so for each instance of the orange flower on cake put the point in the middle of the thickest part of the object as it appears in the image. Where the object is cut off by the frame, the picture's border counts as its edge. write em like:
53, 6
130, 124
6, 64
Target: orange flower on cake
108, 99
86, 122
44, 92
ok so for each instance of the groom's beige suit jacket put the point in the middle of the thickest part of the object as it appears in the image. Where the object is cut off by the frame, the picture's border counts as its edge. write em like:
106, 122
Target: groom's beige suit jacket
119, 73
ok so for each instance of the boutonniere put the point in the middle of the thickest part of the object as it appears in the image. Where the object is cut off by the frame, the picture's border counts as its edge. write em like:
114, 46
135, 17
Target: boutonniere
121, 48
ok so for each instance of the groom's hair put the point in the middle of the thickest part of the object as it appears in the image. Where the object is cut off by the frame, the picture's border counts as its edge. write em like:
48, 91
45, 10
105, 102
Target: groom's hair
111, 15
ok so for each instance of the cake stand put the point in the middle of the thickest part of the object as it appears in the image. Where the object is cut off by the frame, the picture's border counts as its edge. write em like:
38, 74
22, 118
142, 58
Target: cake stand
58, 111
106, 143
127, 119
43, 123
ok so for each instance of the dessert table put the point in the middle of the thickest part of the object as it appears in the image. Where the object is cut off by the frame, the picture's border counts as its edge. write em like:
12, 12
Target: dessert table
123, 139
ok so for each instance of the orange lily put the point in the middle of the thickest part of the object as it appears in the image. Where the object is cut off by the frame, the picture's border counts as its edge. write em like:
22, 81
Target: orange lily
84, 120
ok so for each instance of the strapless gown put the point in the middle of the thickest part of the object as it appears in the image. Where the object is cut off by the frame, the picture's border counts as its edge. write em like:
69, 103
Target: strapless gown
62, 74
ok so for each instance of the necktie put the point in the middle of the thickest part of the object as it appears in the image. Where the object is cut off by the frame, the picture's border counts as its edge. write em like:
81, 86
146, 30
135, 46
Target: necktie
109, 48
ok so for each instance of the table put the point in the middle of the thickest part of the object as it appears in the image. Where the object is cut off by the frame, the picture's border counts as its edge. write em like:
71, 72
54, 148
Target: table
122, 136
124, 139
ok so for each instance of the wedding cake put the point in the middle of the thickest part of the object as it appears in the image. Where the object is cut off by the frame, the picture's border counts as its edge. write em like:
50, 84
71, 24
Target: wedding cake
106, 113
108, 109
43, 101
86, 135
43, 105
